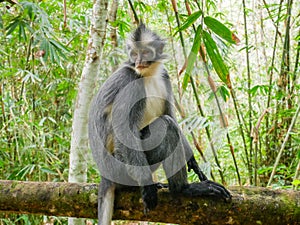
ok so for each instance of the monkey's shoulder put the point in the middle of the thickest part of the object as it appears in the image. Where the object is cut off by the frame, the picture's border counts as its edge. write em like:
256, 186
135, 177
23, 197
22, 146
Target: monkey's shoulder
121, 77
118, 80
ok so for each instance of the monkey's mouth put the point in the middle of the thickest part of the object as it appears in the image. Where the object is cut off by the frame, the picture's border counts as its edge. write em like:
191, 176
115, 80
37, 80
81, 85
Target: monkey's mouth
141, 67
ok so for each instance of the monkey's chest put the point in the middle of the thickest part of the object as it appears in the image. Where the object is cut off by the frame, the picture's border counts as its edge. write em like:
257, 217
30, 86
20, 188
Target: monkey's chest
156, 96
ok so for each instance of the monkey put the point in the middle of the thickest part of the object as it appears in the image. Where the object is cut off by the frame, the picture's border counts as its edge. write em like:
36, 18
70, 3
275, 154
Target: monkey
133, 130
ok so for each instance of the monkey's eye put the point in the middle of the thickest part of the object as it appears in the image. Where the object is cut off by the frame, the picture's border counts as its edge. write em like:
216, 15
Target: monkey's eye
133, 55
147, 54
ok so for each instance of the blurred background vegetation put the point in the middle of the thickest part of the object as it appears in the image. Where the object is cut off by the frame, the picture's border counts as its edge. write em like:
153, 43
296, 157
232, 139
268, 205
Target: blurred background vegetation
238, 128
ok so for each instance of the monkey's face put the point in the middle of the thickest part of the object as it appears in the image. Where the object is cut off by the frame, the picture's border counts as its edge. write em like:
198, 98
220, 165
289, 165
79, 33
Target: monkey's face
142, 57
145, 50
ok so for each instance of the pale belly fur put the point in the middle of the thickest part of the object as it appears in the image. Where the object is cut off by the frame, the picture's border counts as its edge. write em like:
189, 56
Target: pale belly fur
155, 99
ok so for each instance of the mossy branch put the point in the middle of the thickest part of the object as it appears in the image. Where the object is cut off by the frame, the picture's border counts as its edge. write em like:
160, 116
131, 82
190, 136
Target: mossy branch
249, 205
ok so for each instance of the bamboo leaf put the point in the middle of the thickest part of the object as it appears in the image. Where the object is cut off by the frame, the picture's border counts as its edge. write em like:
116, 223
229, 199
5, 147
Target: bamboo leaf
192, 57
22, 32
1, 22
53, 55
12, 26
221, 30
60, 49
216, 59
189, 21
47, 170
45, 47
224, 92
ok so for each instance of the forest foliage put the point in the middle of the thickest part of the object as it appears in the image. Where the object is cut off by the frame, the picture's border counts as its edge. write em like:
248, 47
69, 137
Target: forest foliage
237, 93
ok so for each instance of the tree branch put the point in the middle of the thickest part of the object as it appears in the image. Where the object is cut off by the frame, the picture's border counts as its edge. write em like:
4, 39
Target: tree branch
249, 205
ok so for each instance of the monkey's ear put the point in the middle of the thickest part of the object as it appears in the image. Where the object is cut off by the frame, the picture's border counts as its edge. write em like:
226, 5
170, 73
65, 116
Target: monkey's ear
158, 45
160, 48
142, 25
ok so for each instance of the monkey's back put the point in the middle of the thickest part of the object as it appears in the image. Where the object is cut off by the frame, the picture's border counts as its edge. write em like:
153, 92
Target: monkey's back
100, 124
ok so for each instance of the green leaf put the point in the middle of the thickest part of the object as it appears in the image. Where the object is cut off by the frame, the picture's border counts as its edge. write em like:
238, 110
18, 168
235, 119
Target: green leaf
47, 170
53, 55
21, 24
45, 46
192, 57
28, 169
189, 21
12, 26
221, 30
60, 49
215, 57
263, 89
22, 32
53, 50
1, 22
296, 182
224, 92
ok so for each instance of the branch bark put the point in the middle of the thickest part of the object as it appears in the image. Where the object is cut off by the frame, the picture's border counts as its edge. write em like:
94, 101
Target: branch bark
250, 205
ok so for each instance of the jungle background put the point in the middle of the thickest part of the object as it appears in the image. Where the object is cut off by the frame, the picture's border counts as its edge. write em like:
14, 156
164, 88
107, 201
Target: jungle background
237, 94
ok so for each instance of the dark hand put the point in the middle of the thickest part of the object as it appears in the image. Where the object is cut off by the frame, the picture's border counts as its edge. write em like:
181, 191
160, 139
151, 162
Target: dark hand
193, 165
161, 185
149, 195
206, 188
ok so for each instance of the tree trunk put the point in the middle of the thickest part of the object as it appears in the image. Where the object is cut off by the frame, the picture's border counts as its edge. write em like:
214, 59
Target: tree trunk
79, 142
79, 154
248, 206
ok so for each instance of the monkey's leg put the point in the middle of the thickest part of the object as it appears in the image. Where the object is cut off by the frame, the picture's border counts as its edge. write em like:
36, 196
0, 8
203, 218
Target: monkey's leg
138, 169
172, 153
106, 197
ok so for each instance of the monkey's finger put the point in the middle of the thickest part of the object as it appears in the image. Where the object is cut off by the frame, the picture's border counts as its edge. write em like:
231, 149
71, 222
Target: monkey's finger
220, 188
220, 192
207, 188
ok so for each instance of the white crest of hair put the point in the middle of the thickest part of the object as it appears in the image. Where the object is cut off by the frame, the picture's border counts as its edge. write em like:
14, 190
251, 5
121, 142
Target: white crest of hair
147, 37
156, 94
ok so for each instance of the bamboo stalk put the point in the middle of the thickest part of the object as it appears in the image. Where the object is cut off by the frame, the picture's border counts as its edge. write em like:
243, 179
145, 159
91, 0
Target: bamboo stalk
213, 88
174, 4
249, 85
284, 143
267, 140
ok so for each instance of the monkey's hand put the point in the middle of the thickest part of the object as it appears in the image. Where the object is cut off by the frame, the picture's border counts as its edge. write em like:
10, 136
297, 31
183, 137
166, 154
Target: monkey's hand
161, 185
149, 196
207, 188
193, 165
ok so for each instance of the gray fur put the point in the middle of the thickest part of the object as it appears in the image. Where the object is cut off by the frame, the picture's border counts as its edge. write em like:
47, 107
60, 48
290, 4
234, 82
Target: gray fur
132, 131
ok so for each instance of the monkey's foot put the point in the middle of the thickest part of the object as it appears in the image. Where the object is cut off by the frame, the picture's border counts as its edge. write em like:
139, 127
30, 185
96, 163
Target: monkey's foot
207, 188
149, 196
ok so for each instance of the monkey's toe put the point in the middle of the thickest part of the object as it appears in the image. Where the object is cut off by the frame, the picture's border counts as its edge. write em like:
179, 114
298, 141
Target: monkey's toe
149, 195
207, 188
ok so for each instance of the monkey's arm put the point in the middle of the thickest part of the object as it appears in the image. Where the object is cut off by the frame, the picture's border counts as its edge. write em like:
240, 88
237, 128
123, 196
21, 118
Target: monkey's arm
193, 165
191, 161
